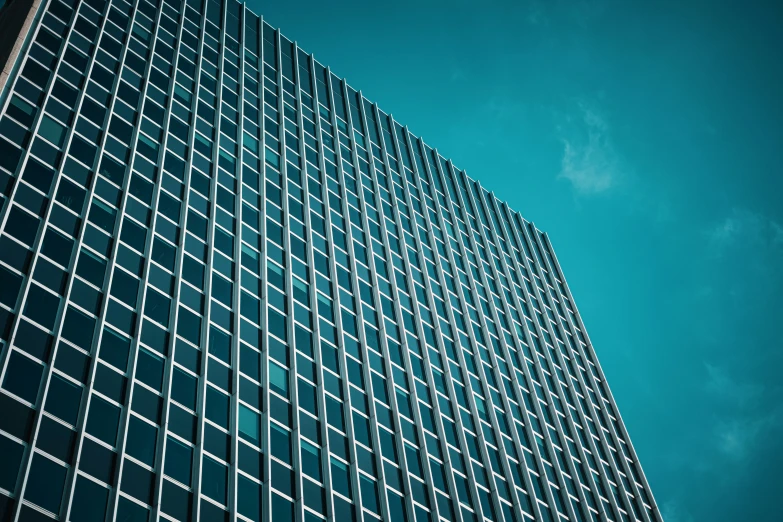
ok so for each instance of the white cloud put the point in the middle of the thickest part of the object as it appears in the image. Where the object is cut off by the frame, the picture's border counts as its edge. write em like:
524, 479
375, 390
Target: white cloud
737, 438
590, 162
750, 413
745, 227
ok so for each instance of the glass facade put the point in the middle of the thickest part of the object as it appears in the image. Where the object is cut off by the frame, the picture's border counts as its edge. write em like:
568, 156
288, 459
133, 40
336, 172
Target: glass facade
232, 288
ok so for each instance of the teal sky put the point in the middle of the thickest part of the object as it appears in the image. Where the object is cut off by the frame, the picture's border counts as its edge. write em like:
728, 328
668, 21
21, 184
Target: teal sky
647, 139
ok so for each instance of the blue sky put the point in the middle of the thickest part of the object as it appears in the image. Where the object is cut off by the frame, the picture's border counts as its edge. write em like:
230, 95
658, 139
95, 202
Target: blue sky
647, 139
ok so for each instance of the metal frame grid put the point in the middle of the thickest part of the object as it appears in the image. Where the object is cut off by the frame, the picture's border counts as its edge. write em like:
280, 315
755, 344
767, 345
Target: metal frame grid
320, 316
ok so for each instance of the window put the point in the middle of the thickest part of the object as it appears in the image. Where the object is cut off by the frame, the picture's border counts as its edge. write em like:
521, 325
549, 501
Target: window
248, 498
131, 511
41, 306
12, 456
10, 284
278, 379
23, 377
52, 131
149, 369
114, 349
184, 388
57, 247
282, 509
103, 420
97, 460
280, 443
250, 461
314, 498
217, 409
78, 328
179, 458
141, 440
52, 277
137, 481
91, 267
176, 501
341, 478
63, 399
249, 424
55, 439
369, 494
189, 325
45, 483
311, 460
146, 403
214, 479
282, 479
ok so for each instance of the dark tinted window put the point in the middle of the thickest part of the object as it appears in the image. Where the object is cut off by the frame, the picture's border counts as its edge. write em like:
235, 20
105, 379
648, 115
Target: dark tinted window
23, 376
103, 420
45, 483
63, 399
89, 501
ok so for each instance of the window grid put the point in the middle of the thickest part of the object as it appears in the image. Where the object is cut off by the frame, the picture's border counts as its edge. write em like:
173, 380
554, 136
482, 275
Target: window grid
244, 203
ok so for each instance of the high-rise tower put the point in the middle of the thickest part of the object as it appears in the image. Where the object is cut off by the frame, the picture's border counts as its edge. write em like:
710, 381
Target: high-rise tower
232, 288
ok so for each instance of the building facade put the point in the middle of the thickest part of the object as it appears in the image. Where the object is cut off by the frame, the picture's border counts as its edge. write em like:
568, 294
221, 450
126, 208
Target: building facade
232, 288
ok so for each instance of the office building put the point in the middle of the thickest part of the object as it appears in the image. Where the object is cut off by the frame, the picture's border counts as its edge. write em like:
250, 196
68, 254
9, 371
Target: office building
232, 288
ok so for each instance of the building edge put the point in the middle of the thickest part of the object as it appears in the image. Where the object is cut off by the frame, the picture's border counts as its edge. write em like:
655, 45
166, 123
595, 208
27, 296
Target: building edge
17, 18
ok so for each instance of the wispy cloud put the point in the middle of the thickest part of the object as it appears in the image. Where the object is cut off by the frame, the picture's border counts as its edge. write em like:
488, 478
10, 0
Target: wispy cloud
747, 416
590, 162
579, 12
535, 14
743, 226
738, 437
673, 511
457, 75
722, 385
777, 233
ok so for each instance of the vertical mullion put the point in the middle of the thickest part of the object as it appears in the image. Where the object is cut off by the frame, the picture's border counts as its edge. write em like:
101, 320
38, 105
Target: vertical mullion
311, 280
344, 213
176, 343
205, 325
264, 445
469, 472
232, 493
293, 374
